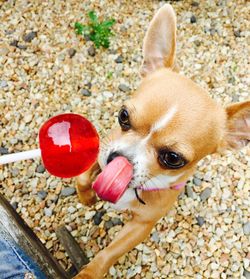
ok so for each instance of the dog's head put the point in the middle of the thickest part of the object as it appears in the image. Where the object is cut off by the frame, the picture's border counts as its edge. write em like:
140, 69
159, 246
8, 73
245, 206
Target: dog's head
171, 123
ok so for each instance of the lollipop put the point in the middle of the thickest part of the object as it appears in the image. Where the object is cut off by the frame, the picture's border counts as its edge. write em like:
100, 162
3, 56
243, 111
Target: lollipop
69, 145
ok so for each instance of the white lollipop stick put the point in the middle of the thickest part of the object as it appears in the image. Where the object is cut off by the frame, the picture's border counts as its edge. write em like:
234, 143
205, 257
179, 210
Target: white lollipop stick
10, 158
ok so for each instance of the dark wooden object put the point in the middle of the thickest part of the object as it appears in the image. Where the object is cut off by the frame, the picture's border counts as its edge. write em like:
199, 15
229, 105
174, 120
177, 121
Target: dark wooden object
14, 225
76, 254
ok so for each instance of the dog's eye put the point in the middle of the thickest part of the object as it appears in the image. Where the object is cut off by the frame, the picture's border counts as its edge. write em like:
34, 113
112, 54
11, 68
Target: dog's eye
170, 159
123, 119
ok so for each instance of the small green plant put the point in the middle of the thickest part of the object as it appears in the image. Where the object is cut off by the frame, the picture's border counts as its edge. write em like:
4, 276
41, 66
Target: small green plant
109, 75
98, 32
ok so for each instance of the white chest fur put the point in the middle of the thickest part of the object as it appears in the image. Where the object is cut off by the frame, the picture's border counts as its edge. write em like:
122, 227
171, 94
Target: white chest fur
125, 200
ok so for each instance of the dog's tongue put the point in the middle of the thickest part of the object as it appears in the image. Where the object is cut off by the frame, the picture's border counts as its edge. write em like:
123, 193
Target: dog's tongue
112, 182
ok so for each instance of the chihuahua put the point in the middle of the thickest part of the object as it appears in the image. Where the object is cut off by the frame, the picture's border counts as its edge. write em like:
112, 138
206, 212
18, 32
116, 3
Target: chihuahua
166, 128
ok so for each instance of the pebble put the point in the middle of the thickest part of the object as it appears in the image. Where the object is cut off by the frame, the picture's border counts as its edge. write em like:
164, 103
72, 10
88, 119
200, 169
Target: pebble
123, 87
53, 184
85, 92
14, 43
71, 52
15, 172
3, 151
55, 198
108, 225
48, 211
68, 191
116, 221
89, 215
226, 194
3, 84
205, 194
23, 47
86, 37
4, 51
212, 31
97, 218
107, 94
235, 98
182, 195
197, 43
195, 4
71, 209
131, 272
88, 84
189, 191
40, 169
119, 59
200, 220
60, 255
30, 36
112, 271
246, 228
28, 118
193, 19
49, 244
197, 181
42, 194
91, 51
237, 33
33, 181
155, 237
14, 205
214, 266
149, 275
246, 274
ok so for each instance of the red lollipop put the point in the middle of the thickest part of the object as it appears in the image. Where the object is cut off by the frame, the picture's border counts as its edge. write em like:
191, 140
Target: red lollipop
69, 145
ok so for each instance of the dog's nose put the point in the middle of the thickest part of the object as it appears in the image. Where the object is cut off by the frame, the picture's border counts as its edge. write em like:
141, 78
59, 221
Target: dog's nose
112, 156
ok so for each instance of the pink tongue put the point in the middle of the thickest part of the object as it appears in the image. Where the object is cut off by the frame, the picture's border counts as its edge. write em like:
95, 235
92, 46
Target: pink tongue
112, 182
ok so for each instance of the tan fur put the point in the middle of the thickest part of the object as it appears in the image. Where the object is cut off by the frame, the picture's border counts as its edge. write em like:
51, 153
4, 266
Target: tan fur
198, 128
83, 186
238, 125
160, 55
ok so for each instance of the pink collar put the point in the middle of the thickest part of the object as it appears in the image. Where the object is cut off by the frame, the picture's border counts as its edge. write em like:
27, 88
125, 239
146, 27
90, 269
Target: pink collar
174, 187
179, 186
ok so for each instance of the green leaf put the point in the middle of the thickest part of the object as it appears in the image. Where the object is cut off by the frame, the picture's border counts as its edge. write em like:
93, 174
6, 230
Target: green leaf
93, 17
86, 29
108, 23
105, 43
78, 28
109, 75
92, 36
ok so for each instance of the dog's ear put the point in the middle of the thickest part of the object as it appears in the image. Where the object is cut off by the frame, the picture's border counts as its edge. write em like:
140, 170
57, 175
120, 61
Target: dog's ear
160, 41
238, 124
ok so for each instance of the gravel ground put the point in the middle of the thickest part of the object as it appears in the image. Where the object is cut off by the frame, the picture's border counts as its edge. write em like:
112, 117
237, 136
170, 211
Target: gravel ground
45, 69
